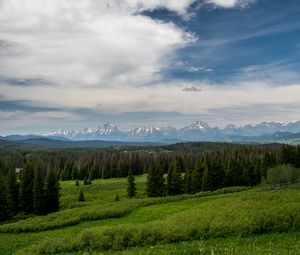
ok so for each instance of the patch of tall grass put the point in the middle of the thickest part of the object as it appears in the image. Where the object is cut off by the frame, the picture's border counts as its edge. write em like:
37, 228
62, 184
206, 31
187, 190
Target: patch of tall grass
94, 211
245, 215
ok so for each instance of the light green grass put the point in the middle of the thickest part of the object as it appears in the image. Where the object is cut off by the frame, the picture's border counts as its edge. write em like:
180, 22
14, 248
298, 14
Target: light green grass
162, 223
271, 244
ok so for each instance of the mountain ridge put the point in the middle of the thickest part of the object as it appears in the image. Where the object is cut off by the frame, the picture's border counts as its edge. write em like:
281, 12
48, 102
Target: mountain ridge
199, 131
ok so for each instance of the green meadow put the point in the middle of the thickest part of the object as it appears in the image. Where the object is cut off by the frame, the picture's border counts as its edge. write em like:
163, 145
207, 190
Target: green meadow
235, 220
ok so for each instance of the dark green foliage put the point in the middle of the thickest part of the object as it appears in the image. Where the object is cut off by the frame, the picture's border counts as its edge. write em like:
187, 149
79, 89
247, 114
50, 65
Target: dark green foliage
196, 178
117, 198
174, 180
4, 206
26, 188
155, 182
85, 181
187, 181
122, 168
214, 176
77, 182
81, 196
283, 175
13, 191
39, 193
131, 189
52, 191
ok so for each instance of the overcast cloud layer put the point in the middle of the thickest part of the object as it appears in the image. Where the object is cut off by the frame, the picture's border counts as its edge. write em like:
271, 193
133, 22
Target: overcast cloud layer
75, 63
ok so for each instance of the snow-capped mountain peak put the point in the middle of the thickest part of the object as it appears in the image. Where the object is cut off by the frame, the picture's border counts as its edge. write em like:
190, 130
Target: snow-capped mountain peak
198, 130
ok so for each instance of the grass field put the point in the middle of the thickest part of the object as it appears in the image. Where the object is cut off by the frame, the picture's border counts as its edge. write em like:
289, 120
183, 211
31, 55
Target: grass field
229, 221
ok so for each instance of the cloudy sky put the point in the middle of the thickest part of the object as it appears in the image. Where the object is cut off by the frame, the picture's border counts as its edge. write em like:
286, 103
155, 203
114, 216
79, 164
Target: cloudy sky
76, 63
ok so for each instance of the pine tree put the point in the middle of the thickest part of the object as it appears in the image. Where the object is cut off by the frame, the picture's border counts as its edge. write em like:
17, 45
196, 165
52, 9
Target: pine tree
122, 168
81, 196
39, 194
77, 182
187, 180
131, 189
85, 181
214, 176
155, 182
13, 190
26, 188
196, 178
174, 180
4, 210
52, 191
117, 198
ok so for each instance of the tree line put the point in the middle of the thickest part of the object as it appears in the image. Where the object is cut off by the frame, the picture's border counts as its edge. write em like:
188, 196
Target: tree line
34, 190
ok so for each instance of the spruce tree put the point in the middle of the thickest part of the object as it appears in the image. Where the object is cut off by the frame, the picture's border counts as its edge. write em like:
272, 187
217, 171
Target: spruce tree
117, 198
155, 182
187, 180
81, 196
39, 194
196, 178
13, 190
131, 189
4, 207
122, 168
85, 181
52, 191
214, 176
77, 182
174, 180
26, 188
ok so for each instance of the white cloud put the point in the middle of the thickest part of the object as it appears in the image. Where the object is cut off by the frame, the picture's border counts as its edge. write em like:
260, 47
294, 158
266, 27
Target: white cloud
88, 42
230, 3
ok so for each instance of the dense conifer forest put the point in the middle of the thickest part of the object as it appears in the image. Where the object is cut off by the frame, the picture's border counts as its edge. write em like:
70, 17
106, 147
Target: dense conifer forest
29, 178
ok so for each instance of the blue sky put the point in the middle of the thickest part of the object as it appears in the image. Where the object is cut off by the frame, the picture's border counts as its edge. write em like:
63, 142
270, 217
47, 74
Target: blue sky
74, 63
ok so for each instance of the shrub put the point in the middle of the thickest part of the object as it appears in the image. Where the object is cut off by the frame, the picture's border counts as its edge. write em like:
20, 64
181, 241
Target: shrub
282, 175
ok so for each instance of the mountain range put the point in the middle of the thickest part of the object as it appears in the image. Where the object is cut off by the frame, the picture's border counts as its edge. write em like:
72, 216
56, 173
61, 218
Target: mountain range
197, 131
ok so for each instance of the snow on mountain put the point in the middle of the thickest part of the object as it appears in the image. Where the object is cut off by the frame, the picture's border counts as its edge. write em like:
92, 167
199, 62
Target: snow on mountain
262, 128
62, 133
198, 130
168, 131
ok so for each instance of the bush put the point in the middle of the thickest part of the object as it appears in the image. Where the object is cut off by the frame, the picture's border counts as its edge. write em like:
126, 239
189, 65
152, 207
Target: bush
282, 175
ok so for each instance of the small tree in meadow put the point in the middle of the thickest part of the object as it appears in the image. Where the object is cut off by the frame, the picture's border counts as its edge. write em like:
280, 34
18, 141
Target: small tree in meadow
117, 198
77, 182
81, 196
131, 189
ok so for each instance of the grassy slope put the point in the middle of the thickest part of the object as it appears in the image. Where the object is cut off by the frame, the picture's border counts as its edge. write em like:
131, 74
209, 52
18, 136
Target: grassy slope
217, 216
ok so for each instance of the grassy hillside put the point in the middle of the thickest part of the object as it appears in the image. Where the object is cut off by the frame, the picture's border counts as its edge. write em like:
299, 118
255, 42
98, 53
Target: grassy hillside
229, 221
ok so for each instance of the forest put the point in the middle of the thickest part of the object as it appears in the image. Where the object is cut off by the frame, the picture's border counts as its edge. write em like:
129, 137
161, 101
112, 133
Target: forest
185, 168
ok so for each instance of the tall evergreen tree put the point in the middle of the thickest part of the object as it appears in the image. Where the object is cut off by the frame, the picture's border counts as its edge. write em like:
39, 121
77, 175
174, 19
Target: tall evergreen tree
26, 188
13, 190
122, 168
39, 194
4, 209
174, 180
155, 182
81, 196
196, 177
187, 181
214, 176
131, 189
52, 191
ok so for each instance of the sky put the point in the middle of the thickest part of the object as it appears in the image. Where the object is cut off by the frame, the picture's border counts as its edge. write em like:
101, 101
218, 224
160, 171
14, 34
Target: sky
78, 63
